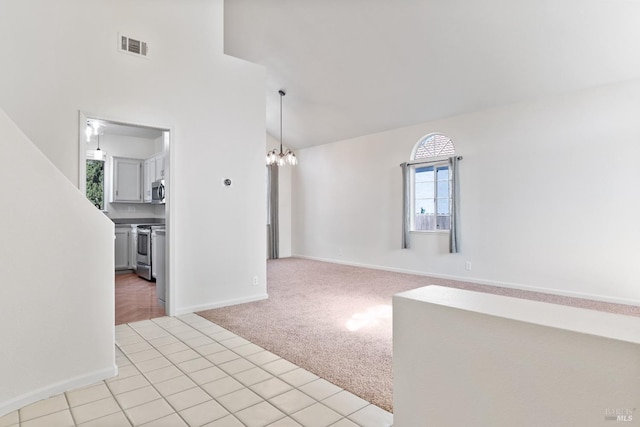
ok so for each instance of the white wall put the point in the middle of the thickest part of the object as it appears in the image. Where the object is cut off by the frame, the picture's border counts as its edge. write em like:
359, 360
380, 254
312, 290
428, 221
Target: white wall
67, 61
56, 288
548, 197
284, 201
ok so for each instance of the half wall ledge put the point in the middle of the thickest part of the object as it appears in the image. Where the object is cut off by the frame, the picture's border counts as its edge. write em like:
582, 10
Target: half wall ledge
464, 358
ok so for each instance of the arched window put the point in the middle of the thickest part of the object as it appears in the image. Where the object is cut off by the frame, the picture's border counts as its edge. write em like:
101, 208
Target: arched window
431, 183
434, 145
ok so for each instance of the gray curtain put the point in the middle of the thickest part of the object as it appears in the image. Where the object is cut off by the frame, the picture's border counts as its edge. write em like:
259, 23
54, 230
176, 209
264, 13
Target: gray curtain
454, 234
272, 213
406, 210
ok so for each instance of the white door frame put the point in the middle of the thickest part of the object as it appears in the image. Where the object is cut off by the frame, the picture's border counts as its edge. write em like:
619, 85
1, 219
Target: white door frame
169, 143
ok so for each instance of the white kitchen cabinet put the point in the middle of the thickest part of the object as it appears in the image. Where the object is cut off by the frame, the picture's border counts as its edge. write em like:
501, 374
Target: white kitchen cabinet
149, 177
159, 159
133, 248
153, 171
127, 180
122, 247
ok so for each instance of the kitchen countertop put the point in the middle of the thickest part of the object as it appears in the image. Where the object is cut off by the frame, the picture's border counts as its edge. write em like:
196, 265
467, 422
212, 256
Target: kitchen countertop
137, 226
137, 221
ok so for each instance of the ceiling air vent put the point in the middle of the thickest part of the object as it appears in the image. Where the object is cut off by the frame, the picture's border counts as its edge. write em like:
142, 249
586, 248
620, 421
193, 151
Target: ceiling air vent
132, 45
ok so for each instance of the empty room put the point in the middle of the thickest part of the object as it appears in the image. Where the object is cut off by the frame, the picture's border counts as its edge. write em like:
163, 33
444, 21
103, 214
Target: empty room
371, 213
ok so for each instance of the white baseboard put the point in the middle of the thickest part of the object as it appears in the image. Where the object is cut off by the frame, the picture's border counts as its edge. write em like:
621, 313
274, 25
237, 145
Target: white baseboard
225, 303
560, 292
56, 388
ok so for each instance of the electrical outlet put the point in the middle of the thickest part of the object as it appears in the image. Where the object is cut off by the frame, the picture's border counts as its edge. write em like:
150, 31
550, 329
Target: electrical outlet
467, 265
255, 280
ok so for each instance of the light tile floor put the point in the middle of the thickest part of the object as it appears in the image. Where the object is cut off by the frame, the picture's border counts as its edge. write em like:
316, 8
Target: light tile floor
188, 371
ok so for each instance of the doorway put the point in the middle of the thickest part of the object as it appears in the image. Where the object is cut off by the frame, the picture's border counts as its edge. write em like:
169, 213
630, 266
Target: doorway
120, 162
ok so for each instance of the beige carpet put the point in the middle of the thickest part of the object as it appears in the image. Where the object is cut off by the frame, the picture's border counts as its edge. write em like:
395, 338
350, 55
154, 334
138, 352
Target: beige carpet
335, 320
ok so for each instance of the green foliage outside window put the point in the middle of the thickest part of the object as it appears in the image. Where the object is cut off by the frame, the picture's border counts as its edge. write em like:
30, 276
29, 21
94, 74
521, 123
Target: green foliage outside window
95, 183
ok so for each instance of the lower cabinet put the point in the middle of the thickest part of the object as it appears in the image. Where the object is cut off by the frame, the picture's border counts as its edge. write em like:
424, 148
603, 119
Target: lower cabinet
122, 248
133, 249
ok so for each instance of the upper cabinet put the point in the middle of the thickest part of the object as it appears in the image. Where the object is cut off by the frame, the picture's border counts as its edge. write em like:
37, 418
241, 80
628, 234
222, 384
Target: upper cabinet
149, 177
127, 180
131, 178
153, 171
159, 159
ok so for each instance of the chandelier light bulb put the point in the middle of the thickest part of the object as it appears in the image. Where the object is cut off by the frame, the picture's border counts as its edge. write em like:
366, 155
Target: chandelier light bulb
293, 160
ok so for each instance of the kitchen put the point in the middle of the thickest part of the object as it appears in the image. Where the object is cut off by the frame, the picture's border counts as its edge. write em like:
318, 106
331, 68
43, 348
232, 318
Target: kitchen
126, 170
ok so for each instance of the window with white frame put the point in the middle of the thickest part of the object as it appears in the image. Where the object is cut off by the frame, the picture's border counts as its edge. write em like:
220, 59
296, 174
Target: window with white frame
95, 182
431, 183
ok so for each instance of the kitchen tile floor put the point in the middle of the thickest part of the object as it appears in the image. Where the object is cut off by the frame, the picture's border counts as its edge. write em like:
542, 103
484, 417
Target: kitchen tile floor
135, 299
188, 371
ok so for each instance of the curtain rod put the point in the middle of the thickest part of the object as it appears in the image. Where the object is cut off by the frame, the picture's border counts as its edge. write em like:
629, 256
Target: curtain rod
422, 162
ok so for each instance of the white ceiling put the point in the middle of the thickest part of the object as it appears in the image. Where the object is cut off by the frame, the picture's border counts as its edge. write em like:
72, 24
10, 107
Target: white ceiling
355, 67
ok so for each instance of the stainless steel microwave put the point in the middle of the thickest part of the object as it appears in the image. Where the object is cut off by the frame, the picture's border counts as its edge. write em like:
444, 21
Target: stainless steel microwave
157, 192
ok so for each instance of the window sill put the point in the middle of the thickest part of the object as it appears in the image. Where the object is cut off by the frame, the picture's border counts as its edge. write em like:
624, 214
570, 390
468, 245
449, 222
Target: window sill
430, 231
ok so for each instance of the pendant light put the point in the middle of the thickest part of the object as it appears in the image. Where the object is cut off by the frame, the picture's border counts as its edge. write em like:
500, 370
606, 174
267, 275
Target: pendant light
98, 154
281, 158
94, 128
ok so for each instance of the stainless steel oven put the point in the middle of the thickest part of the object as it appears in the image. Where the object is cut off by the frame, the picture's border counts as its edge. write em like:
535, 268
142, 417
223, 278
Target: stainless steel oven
143, 257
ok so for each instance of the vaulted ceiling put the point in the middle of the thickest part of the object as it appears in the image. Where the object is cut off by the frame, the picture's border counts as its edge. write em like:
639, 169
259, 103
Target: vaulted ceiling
356, 67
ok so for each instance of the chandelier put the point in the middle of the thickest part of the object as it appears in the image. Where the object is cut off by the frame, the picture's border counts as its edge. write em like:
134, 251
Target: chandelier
281, 158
